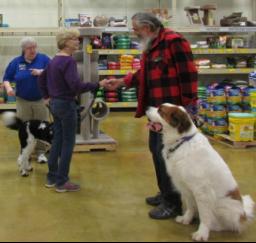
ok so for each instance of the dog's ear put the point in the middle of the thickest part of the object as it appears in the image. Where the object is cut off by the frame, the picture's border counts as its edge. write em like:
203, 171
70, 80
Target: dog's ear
180, 120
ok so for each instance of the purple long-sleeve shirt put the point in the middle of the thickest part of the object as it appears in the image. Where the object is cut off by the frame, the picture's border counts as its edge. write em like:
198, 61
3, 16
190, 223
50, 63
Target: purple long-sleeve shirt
61, 80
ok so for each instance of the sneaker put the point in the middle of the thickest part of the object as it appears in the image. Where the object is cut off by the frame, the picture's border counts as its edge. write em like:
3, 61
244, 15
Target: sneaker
68, 187
154, 201
50, 184
42, 159
163, 212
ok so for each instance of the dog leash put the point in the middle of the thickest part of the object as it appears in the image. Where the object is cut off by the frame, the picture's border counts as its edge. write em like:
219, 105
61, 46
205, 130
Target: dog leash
84, 115
51, 120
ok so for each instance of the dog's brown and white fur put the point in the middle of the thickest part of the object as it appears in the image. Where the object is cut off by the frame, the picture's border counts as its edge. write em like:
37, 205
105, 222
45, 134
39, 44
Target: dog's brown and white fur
204, 180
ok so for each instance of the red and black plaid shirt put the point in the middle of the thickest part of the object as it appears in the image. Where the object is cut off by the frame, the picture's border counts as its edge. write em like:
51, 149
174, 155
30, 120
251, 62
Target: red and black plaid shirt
167, 74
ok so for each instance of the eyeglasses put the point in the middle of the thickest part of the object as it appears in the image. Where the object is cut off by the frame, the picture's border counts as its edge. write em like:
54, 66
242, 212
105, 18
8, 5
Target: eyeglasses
136, 28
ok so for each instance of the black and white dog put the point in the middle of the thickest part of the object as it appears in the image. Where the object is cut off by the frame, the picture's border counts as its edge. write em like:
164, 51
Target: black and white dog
29, 133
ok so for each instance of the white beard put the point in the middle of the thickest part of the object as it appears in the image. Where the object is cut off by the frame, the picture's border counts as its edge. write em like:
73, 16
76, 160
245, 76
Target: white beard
145, 44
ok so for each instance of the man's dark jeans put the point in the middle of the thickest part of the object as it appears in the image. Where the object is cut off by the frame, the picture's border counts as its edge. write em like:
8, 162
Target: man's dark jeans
170, 196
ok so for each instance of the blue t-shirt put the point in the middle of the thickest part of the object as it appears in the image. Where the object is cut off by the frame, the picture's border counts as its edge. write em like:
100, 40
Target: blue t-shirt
19, 72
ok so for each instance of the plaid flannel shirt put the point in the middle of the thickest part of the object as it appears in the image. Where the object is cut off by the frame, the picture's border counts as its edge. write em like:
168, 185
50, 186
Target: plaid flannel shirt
167, 74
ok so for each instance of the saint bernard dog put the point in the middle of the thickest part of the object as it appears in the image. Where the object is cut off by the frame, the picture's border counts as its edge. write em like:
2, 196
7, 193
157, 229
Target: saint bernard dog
208, 188
29, 133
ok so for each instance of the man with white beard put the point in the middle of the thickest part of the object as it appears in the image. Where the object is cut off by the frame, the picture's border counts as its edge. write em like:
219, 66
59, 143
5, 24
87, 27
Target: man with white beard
167, 75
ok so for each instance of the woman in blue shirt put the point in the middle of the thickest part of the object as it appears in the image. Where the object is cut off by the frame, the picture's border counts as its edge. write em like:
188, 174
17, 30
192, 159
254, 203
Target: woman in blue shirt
24, 71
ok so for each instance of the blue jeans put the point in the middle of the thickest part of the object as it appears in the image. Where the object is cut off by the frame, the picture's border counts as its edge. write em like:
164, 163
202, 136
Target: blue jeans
170, 195
65, 121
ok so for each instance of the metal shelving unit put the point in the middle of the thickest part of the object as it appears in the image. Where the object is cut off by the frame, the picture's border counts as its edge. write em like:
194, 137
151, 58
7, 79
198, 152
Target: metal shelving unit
122, 105
117, 51
201, 51
214, 29
227, 71
29, 31
115, 72
4, 107
51, 31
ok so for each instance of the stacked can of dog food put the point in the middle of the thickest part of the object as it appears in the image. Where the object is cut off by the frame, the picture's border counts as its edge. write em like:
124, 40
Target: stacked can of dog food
253, 107
122, 42
1, 94
126, 62
129, 95
11, 99
111, 96
216, 111
100, 94
242, 124
234, 99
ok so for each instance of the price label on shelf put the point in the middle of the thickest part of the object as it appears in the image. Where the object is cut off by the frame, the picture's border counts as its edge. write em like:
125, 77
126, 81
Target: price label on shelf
111, 72
89, 49
135, 52
122, 52
123, 72
229, 50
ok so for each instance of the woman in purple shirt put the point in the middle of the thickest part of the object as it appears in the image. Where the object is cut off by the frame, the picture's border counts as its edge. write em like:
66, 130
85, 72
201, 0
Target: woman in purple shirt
60, 84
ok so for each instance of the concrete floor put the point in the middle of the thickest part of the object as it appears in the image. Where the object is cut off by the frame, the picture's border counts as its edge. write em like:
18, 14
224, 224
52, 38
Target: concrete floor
110, 206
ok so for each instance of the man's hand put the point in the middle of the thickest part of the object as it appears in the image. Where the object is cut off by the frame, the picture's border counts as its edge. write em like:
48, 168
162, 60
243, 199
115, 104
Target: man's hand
104, 83
113, 84
36, 72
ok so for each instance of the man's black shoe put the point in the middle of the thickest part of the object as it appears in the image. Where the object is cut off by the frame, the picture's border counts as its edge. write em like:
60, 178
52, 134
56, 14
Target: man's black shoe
154, 201
164, 212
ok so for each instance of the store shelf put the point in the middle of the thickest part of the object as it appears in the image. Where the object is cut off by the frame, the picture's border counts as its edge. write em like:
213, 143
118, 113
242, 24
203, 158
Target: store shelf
115, 72
7, 107
118, 51
110, 105
28, 31
200, 71
217, 29
198, 51
117, 29
226, 71
224, 51
122, 105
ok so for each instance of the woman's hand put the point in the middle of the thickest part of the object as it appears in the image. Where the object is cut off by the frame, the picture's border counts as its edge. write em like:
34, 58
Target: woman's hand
47, 102
112, 84
36, 72
10, 92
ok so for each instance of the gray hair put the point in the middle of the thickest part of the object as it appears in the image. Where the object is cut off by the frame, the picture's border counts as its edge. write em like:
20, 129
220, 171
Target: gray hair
26, 41
149, 19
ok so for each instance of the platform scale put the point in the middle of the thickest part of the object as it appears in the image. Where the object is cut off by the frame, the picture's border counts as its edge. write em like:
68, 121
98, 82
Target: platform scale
90, 137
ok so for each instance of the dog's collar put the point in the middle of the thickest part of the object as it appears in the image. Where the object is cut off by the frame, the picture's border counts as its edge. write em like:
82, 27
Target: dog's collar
180, 142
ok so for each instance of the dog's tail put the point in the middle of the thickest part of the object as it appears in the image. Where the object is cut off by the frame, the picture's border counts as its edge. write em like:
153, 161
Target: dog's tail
249, 207
235, 215
11, 121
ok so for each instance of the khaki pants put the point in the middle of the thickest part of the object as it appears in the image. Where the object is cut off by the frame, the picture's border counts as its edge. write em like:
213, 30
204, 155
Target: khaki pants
33, 110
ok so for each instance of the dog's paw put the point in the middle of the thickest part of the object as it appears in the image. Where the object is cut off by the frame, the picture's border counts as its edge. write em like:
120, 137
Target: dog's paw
19, 161
183, 220
200, 236
24, 173
30, 169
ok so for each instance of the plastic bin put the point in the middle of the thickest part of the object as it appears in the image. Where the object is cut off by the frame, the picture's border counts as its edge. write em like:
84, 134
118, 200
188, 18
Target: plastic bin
241, 126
